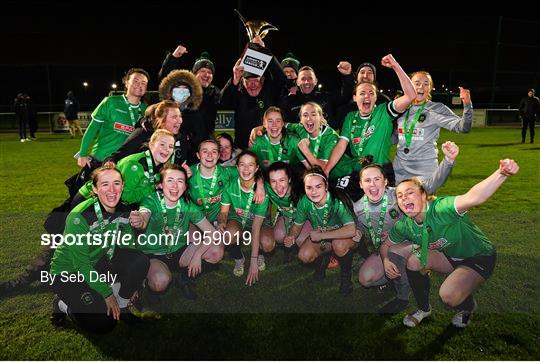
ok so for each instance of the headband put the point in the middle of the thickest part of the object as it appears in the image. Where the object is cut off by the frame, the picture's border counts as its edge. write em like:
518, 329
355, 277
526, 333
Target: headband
315, 174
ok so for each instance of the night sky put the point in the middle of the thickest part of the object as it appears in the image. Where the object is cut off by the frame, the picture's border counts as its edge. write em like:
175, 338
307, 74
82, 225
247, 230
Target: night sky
49, 54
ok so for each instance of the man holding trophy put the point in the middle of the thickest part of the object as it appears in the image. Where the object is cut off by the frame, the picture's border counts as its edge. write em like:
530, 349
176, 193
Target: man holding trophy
256, 83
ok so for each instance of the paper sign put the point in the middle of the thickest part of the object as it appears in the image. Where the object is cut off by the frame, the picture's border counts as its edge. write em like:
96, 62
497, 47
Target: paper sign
255, 61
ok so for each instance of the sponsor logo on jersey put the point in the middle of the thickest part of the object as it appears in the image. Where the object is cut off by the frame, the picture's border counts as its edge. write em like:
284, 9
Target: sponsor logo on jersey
439, 244
124, 128
209, 200
418, 132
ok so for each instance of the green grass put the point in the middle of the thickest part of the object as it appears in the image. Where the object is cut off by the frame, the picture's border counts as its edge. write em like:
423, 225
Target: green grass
286, 315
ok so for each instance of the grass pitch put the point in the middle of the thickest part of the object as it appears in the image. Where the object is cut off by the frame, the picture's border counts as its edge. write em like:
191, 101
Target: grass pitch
286, 315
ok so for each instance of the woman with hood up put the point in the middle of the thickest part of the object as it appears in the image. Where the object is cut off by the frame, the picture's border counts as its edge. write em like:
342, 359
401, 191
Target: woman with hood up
179, 86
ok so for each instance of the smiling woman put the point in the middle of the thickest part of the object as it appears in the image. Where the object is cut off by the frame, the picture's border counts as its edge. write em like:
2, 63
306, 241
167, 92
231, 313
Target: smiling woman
275, 144
141, 170
169, 213
92, 303
445, 240
331, 216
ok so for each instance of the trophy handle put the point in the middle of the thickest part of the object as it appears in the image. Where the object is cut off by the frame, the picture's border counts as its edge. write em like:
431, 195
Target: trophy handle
255, 27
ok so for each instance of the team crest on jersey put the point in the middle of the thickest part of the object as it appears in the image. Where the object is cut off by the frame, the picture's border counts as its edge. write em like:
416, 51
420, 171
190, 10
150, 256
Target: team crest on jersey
134, 168
260, 104
369, 131
422, 118
76, 221
394, 214
86, 298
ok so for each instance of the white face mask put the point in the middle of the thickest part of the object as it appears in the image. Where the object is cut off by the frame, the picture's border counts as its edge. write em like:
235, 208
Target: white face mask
180, 95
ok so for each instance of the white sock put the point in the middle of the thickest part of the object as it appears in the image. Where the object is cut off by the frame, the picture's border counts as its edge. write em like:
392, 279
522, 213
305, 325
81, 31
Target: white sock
122, 302
62, 306
116, 288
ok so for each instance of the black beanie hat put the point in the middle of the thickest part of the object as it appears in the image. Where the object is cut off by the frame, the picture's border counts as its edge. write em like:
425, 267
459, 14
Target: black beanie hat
290, 61
366, 64
204, 62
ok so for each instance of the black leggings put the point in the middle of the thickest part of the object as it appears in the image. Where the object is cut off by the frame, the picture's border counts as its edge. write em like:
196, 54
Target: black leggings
87, 307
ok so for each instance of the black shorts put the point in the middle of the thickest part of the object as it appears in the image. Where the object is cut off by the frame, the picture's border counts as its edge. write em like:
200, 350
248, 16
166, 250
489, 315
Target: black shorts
172, 260
482, 264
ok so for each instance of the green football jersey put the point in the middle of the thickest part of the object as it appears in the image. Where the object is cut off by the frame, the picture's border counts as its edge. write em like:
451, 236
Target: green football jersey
268, 152
284, 205
243, 209
139, 179
83, 255
332, 215
112, 122
370, 135
178, 219
207, 192
322, 147
453, 234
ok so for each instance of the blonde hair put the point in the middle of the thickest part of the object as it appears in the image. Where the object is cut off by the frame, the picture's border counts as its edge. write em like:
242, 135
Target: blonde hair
428, 76
318, 109
158, 133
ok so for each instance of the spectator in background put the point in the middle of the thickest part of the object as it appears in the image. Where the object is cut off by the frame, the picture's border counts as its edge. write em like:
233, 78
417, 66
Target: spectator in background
71, 110
20, 107
32, 119
365, 73
309, 92
529, 108
199, 124
290, 67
